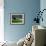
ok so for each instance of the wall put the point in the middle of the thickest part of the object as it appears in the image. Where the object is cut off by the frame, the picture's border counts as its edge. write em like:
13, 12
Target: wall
28, 7
43, 6
1, 21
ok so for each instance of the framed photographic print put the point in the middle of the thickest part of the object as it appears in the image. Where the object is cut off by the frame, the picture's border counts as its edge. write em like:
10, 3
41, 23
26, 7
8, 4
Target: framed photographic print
16, 18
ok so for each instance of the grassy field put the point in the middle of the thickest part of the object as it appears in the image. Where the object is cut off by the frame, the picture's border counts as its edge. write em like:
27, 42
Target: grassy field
17, 20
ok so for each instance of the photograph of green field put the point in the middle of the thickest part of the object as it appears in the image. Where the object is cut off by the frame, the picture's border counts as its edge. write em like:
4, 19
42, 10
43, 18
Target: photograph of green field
17, 18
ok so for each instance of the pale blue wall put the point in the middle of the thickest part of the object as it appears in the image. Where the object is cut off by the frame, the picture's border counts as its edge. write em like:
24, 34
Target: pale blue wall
28, 7
43, 6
